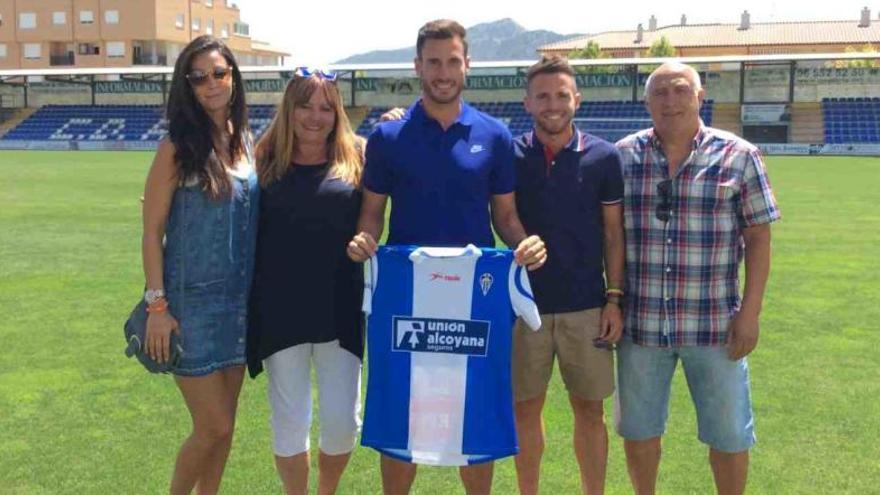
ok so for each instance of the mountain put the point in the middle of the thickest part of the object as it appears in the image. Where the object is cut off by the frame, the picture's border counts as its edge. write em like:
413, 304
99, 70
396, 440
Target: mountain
499, 40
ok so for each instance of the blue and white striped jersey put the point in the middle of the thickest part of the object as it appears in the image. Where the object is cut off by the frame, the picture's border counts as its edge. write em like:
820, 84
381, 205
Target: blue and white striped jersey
439, 340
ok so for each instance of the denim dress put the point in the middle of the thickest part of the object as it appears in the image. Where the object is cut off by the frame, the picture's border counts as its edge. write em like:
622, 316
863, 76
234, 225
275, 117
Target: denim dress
209, 258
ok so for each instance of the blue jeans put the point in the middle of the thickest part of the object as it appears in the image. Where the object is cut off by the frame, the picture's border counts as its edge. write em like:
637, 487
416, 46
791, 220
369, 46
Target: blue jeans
719, 388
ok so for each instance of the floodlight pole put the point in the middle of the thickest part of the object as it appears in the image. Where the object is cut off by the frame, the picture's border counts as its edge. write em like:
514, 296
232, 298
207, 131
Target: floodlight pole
25, 91
92, 88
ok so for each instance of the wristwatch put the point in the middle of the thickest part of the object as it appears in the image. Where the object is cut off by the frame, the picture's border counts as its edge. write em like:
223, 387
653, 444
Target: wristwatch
153, 295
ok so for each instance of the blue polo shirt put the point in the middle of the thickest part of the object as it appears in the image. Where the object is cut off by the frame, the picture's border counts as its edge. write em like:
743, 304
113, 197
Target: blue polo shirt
560, 199
440, 182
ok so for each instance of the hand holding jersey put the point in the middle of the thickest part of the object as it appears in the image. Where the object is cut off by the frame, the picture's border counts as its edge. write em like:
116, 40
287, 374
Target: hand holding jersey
530, 252
362, 247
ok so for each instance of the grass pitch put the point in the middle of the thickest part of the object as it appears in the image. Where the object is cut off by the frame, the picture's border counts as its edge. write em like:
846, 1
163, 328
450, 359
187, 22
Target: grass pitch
77, 417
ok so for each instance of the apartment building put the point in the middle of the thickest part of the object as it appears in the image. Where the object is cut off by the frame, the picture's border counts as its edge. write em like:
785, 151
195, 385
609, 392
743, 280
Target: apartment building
38, 34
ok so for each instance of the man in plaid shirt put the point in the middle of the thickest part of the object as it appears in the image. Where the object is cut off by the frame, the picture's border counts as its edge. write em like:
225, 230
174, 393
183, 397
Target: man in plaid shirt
697, 201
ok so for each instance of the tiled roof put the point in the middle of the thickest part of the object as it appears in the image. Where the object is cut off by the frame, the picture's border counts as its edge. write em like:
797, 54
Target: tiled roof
715, 35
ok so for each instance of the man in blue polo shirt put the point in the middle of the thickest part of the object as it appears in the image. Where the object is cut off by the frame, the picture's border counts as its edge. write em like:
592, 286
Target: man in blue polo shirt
569, 191
444, 165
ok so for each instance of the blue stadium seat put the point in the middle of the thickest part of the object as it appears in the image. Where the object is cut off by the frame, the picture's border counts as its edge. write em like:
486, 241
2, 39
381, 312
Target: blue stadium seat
610, 120
851, 119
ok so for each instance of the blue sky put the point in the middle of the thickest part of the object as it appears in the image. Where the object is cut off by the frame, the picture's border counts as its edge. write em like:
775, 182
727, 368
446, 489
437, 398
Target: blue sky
320, 32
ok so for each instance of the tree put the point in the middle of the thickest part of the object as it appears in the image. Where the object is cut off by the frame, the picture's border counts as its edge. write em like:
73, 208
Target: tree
662, 48
858, 64
591, 52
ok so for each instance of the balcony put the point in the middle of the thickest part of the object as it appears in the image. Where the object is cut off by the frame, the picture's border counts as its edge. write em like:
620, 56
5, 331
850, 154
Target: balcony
56, 60
150, 60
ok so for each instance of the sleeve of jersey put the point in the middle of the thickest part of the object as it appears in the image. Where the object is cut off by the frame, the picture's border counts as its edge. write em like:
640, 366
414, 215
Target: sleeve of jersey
371, 275
521, 297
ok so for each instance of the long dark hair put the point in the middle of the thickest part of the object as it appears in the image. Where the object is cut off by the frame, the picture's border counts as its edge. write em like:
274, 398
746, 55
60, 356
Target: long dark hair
189, 126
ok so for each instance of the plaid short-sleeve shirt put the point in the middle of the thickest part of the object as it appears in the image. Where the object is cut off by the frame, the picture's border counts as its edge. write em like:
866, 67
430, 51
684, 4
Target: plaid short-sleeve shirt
682, 274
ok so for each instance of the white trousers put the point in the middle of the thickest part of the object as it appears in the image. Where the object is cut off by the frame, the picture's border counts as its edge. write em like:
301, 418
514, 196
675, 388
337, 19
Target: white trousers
290, 397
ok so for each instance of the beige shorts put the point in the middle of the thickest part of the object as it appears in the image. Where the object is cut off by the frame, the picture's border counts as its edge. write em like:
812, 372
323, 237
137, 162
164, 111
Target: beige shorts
588, 372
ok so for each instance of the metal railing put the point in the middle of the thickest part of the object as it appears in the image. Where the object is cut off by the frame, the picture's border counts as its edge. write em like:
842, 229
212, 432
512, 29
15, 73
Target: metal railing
149, 59
55, 60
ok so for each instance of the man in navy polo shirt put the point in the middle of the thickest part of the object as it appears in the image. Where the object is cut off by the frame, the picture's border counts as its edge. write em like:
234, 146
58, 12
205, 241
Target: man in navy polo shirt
569, 191
444, 164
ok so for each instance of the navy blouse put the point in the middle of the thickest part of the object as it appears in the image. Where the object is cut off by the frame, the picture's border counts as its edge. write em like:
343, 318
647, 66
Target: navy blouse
306, 289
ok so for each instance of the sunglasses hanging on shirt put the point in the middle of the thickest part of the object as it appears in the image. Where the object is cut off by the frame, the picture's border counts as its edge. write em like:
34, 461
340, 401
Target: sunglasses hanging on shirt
664, 208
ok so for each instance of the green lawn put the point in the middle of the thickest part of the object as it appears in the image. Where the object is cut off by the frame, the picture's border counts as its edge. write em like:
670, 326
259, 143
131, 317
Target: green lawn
76, 416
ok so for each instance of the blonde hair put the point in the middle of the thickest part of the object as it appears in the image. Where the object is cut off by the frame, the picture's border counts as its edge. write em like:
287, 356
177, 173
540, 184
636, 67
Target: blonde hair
275, 149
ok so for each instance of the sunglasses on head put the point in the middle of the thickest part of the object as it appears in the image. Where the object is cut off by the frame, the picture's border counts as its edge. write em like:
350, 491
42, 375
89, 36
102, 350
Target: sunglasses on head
307, 72
664, 208
198, 77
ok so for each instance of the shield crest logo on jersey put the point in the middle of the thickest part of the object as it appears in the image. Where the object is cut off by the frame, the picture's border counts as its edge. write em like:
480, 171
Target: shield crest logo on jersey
486, 280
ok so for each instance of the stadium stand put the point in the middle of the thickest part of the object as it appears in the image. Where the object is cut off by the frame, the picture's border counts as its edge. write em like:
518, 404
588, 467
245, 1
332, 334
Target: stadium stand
108, 123
90, 123
610, 120
851, 120
846, 120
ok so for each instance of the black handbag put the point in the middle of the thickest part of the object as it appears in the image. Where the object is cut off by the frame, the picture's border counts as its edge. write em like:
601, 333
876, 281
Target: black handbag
135, 330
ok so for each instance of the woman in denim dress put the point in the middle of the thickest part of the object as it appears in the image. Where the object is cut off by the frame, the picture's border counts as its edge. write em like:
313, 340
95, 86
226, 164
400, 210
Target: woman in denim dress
201, 196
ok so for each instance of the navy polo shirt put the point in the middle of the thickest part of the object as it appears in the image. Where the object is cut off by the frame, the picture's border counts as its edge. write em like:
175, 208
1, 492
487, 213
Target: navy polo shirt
440, 182
561, 201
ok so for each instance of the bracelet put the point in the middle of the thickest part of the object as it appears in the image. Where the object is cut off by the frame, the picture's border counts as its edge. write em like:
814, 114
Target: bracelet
159, 306
614, 291
153, 295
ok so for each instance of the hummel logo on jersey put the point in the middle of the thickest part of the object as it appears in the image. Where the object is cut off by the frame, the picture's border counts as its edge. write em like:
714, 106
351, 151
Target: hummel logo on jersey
469, 337
476, 148
444, 277
486, 280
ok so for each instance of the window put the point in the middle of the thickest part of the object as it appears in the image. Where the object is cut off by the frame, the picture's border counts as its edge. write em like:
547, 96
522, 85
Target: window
86, 17
27, 20
209, 3
196, 24
88, 49
2, 50
111, 17
209, 26
32, 50
224, 32
179, 21
115, 49
59, 18
1, 19
242, 29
